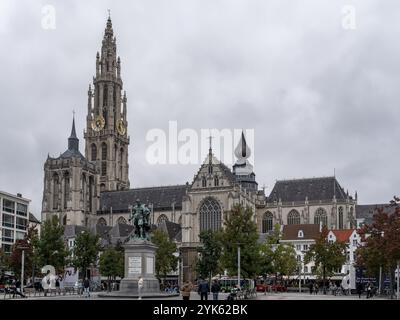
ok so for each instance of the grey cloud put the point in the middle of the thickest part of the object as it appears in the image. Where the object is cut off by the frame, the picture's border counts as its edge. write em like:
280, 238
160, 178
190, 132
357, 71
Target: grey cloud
318, 96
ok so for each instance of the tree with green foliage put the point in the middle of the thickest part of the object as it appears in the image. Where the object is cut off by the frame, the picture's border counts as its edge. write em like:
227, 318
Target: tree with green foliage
112, 264
85, 251
210, 254
240, 229
166, 261
26, 244
327, 256
381, 247
277, 258
50, 247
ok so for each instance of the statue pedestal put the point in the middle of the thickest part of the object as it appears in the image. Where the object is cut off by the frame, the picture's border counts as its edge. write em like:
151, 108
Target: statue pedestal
140, 262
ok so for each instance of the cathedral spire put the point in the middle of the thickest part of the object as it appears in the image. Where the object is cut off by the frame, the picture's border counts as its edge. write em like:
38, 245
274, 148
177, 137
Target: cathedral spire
73, 141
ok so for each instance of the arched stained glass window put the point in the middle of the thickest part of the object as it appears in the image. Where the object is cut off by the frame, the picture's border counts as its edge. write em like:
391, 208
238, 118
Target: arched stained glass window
102, 222
321, 216
340, 217
267, 222
121, 220
94, 152
293, 217
161, 218
210, 215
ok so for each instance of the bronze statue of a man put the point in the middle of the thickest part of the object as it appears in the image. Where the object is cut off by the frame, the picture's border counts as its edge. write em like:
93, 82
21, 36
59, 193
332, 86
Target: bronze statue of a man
140, 215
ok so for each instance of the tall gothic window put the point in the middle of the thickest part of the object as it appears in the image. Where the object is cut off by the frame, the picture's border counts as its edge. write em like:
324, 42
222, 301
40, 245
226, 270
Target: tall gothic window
104, 159
352, 220
56, 190
340, 217
91, 186
161, 218
121, 162
204, 182
321, 216
83, 189
94, 152
210, 215
105, 95
216, 181
293, 217
66, 190
121, 220
101, 222
267, 222
115, 158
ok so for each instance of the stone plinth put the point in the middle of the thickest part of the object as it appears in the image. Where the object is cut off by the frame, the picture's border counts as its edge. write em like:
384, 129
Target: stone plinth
139, 262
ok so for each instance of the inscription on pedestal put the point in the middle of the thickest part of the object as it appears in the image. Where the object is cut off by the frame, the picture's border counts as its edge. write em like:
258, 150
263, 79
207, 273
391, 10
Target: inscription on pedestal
135, 265
149, 265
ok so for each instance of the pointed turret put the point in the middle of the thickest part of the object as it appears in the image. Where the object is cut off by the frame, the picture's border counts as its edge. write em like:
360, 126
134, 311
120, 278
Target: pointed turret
242, 169
73, 141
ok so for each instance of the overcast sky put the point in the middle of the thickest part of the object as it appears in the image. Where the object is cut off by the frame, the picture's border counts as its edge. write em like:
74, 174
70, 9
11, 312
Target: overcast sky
318, 96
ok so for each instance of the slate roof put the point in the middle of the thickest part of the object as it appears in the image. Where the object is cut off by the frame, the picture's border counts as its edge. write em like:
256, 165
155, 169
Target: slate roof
313, 188
367, 211
71, 231
161, 198
33, 219
310, 231
174, 230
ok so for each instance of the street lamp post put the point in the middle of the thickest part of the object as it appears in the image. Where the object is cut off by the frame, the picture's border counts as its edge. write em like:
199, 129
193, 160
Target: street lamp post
238, 266
23, 248
398, 280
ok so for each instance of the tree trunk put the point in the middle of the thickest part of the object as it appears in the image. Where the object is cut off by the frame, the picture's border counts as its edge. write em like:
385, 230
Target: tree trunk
109, 283
391, 272
323, 277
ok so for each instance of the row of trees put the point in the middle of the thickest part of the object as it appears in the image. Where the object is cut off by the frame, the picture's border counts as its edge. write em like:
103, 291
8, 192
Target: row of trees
51, 249
220, 250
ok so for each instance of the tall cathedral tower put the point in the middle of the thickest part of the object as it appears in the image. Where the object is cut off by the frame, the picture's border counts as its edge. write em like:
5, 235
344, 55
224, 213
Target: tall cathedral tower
106, 134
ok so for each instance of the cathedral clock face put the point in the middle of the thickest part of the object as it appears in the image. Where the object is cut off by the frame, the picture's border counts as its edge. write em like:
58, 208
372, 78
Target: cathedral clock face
98, 123
121, 127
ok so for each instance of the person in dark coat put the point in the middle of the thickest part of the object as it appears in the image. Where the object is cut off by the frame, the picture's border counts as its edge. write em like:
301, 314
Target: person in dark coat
310, 286
203, 290
215, 289
359, 289
17, 289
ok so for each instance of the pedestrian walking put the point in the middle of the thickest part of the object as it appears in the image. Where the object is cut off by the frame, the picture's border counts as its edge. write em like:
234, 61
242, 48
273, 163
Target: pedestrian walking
215, 289
316, 288
46, 283
140, 287
186, 289
86, 287
369, 288
17, 289
359, 289
310, 286
203, 290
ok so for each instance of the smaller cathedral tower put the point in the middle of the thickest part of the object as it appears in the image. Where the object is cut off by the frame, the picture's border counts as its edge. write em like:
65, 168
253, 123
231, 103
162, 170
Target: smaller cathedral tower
242, 169
70, 186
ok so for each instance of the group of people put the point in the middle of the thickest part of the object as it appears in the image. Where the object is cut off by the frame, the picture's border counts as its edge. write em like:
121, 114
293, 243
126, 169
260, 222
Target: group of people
314, 287
14, 288
369, 288
203, 289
